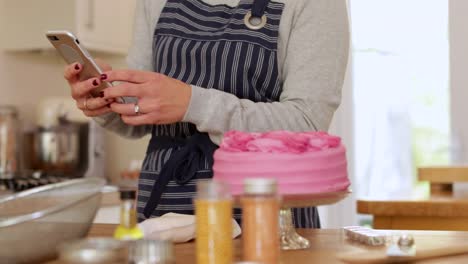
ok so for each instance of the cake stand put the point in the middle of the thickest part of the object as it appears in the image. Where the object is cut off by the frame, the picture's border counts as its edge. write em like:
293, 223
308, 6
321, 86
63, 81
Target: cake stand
289, 238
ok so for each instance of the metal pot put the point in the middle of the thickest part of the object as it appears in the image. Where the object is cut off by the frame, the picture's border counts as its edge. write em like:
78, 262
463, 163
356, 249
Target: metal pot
57, 149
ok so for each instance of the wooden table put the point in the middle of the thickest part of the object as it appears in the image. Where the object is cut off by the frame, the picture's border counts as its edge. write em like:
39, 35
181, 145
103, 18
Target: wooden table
442, 210
325, 245
443, 178
434, 213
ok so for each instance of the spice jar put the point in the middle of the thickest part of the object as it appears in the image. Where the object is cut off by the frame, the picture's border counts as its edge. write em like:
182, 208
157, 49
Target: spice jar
260, 221
213, 210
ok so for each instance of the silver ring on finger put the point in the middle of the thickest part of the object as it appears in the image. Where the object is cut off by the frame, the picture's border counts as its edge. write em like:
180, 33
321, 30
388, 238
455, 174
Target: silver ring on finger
136, 108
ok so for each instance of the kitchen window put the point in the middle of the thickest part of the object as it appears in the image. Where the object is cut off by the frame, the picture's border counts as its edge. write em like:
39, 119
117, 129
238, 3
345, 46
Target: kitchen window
400, 83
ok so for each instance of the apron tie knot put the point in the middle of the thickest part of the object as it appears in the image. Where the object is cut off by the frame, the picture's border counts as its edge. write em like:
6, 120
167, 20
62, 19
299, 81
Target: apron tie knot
183, 165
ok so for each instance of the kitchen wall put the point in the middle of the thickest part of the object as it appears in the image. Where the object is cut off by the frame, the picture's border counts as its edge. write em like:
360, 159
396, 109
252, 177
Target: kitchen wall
459, 79
27, 77
458, 86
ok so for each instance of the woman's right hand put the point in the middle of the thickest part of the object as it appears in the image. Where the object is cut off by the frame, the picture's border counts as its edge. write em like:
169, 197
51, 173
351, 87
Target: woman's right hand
80, 91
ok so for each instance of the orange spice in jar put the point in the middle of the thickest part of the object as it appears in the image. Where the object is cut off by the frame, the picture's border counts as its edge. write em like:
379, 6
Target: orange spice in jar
260, 221
213, 210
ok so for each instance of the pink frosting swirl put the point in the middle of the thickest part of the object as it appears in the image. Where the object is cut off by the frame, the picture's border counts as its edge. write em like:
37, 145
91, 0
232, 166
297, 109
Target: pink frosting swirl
278, 141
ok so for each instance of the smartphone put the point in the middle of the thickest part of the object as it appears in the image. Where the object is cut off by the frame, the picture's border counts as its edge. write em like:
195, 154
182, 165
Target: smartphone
72, 51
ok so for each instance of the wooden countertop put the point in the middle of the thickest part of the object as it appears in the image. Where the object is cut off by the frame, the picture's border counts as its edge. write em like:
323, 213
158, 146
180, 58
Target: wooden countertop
433, 213
435, 206
443, 174
326, 244
444, 209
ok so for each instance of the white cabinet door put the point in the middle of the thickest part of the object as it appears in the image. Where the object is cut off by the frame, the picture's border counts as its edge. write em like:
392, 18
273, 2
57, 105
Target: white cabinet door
23, 23
101, 25
105, 25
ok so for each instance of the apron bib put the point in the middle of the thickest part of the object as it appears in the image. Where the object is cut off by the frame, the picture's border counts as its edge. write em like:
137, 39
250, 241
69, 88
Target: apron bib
210, 46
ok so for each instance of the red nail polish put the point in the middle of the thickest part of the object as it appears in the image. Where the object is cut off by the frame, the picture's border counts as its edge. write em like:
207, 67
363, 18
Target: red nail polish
103, 76
77, 67
101, 94
95, 83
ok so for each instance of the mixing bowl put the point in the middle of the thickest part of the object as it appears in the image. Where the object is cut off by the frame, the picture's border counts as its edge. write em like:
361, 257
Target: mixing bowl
34, 222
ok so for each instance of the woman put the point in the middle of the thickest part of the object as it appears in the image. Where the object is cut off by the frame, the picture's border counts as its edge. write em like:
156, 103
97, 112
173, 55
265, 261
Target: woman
204, 67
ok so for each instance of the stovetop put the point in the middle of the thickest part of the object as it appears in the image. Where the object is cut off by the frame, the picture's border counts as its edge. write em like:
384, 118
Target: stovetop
28, 181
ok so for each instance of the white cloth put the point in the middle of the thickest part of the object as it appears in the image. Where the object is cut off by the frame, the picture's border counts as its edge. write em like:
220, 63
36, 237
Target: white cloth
178, 228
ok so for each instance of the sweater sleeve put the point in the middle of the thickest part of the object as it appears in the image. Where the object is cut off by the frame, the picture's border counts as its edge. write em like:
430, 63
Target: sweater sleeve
139, 58
312, 77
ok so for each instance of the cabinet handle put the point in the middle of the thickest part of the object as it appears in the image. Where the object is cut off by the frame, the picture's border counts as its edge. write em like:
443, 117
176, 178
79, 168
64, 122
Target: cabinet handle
90, 15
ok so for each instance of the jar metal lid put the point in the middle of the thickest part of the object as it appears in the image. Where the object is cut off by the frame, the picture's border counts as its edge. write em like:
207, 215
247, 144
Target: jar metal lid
151, 252
126, 194
212, 189
94, 250
260, 186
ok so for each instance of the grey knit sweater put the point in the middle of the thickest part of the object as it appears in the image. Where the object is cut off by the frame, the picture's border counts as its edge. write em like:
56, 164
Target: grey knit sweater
312, 56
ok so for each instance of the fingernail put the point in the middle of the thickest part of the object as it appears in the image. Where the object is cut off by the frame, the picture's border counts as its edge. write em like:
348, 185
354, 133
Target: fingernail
77, 66
103, 76
101, 94
95, 83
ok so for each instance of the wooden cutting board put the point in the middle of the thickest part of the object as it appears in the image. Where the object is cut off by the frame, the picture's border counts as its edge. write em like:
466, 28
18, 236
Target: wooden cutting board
426, 252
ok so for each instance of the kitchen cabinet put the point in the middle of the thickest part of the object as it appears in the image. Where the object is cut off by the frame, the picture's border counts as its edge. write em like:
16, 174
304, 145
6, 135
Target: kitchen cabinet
101, 25
105, 25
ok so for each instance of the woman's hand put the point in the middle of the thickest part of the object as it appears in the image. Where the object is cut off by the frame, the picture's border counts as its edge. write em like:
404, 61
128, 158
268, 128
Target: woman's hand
161, 99
80, 90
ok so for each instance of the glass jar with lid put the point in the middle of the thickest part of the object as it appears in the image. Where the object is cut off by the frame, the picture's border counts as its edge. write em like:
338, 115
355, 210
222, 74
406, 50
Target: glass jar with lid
213, 210
260, 221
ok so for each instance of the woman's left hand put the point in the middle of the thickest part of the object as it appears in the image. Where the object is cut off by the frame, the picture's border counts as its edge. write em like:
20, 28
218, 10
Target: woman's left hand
161, 99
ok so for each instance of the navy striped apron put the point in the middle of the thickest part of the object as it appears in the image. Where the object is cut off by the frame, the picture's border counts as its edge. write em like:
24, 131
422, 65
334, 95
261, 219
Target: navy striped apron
208, 46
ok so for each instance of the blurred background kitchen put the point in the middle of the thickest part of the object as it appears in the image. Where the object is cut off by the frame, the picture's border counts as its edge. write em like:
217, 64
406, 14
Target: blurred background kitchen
403, 104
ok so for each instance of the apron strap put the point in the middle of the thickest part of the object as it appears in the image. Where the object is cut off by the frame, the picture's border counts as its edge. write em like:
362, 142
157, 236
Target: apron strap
259, 7
182, 166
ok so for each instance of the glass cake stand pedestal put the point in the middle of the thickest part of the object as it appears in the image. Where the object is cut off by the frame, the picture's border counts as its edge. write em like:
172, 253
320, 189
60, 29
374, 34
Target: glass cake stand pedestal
289, 238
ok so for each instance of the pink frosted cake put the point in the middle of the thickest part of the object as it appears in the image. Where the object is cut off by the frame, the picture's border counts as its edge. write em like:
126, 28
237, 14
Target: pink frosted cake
302, 163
